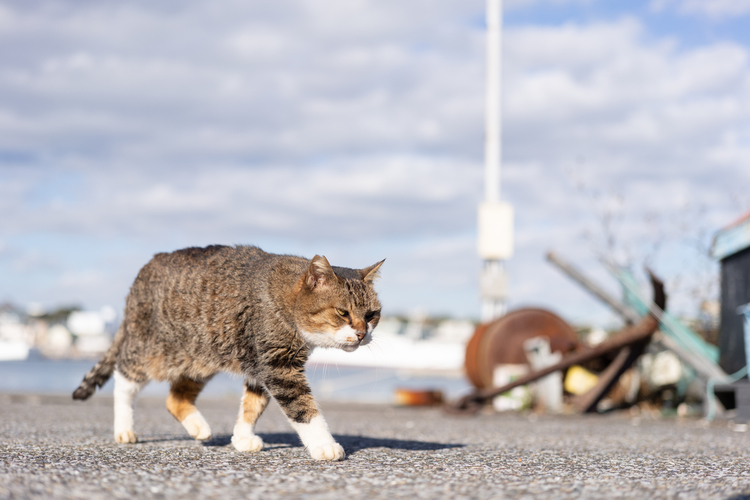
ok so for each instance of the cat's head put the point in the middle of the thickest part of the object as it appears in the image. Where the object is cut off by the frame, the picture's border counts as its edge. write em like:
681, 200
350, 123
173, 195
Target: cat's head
337, 306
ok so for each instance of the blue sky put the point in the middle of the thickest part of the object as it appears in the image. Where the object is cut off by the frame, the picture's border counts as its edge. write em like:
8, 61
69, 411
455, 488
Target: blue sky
692, 23
354, 129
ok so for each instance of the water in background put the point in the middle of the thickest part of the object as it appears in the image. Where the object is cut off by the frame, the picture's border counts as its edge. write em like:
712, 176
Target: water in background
329, 383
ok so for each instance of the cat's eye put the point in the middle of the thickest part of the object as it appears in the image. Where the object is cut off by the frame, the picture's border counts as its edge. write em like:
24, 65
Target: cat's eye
371, 315
342, 312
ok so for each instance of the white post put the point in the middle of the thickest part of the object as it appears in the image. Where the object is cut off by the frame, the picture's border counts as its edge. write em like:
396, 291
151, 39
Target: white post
495, 218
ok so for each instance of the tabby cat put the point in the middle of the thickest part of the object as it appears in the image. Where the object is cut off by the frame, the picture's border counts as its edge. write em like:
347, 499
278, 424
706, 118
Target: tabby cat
196, 312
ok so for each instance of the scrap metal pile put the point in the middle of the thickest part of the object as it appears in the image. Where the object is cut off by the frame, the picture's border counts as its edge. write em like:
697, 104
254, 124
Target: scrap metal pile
543, 346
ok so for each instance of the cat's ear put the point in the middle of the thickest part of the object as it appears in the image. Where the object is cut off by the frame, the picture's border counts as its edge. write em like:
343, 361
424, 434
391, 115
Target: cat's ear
319, 273
369, 274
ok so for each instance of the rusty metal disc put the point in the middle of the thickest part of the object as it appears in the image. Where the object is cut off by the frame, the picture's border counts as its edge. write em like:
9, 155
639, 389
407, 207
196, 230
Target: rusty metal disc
501, 341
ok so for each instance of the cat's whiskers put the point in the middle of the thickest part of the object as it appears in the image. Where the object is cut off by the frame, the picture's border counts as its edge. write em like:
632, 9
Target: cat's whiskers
376, 342
377, 367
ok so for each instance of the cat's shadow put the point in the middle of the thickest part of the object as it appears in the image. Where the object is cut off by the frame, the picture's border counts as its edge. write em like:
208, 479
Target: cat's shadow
351, 444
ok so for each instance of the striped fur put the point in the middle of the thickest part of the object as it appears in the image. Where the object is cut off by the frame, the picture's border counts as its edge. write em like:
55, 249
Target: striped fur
196, 312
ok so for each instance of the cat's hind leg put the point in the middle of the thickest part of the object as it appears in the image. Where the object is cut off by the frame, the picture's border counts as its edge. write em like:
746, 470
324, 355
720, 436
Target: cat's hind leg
181, 404
254, 401
124, 394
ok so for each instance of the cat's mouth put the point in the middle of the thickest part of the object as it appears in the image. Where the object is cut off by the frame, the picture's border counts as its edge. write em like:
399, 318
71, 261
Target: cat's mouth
342, 339
352, 346
324, 340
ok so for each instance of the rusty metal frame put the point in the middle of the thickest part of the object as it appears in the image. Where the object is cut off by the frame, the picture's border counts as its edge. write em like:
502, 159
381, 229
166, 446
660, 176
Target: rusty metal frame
630, 341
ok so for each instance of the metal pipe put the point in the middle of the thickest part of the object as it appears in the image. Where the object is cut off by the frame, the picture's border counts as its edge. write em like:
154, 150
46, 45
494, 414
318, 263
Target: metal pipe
707, 368
629, 315
704, 369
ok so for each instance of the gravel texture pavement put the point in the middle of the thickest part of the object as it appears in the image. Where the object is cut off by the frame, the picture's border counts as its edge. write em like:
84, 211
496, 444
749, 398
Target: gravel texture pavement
53, 447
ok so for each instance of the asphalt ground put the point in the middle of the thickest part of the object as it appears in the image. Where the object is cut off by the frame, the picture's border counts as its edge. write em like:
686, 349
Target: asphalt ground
53, 447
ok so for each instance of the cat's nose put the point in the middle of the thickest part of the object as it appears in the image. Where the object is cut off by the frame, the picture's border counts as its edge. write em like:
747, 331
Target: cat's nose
360, 336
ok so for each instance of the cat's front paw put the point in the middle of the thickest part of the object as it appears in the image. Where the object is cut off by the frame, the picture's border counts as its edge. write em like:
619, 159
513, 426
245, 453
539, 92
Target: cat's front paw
197, 426
247, 443
332, 451
126, 437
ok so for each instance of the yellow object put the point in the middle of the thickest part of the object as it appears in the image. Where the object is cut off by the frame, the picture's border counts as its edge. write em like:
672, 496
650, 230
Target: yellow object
579, 380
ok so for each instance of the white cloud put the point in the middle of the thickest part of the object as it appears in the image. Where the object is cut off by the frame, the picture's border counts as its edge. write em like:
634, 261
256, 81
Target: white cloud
390, 196
609, 107
186, 89
355, 128
625, 102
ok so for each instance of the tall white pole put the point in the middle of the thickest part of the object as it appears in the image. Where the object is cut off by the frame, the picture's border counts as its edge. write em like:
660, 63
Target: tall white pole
493, 115
495, 217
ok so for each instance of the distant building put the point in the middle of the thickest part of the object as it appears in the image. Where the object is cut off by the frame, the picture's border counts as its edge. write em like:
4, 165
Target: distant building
90, 330
732, 248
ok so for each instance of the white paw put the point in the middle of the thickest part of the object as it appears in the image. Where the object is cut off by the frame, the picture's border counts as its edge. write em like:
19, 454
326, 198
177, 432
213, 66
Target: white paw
332, 451
247, 443
197, 426
126, 437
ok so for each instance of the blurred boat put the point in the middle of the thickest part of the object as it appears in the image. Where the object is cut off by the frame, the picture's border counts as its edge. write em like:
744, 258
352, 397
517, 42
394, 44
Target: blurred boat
397, 352
14, 350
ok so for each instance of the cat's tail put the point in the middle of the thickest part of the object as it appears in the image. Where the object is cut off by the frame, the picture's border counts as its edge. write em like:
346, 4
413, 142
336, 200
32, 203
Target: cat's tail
100, 373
